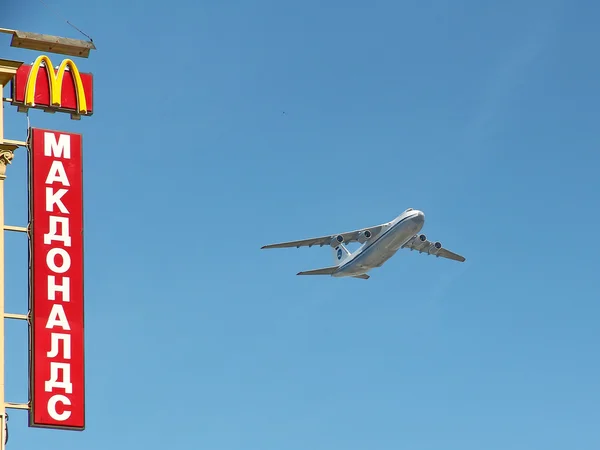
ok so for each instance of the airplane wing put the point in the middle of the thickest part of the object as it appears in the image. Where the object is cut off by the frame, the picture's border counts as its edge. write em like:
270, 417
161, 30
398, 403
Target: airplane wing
420, 243
351, 236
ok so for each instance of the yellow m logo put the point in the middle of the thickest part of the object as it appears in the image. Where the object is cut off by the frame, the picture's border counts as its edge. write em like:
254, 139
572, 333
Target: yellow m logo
55, 82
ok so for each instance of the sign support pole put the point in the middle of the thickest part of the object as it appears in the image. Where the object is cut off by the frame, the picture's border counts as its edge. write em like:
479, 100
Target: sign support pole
2, 178
7, 148
4, 160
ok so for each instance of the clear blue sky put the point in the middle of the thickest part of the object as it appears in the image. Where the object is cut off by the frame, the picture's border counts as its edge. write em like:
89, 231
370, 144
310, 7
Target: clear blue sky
485, 115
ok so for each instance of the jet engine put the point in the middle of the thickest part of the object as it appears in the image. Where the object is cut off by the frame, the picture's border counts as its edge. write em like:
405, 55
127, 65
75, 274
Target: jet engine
418, 242
339, 239
434, 248
364, 236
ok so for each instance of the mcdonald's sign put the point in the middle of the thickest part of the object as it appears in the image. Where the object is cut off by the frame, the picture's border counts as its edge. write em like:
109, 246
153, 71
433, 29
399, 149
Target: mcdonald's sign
61, 89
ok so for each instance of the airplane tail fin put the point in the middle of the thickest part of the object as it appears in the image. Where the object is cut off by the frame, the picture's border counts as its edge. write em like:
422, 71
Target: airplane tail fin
323, 271
340, 254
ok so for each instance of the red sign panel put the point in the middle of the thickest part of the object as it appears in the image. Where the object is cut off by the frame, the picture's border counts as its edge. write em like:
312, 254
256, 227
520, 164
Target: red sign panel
62, 89
57, 391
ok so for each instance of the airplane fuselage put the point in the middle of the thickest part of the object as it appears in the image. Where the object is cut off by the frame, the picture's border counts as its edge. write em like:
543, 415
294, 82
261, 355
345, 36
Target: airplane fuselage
375, 252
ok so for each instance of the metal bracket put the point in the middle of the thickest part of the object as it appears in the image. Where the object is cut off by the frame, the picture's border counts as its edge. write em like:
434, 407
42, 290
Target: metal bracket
17, 405
19, 229
13, 142
17, 316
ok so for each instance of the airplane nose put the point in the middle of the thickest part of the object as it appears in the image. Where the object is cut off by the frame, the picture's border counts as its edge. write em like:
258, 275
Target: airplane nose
420, 216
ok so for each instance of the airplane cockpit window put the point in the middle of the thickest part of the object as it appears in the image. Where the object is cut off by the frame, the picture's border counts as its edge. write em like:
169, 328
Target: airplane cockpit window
409, 209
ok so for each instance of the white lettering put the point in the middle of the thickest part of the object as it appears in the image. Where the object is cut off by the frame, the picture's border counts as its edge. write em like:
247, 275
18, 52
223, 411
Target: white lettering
66, 259
53, 234
53, 382
54, 198
53, 288
57, 173
58, 318
54, 339
52, 407
52, 147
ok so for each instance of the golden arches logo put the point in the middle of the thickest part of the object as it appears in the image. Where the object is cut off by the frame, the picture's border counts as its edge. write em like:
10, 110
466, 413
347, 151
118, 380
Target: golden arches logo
55, 82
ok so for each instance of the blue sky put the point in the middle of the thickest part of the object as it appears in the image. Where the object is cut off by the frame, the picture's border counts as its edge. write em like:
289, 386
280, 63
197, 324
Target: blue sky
482, 114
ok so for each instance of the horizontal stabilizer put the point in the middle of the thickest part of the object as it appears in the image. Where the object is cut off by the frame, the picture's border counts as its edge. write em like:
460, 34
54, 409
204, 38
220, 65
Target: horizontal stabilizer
323, 271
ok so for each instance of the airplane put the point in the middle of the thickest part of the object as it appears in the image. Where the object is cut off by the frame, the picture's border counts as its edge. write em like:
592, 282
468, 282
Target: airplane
379, 243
